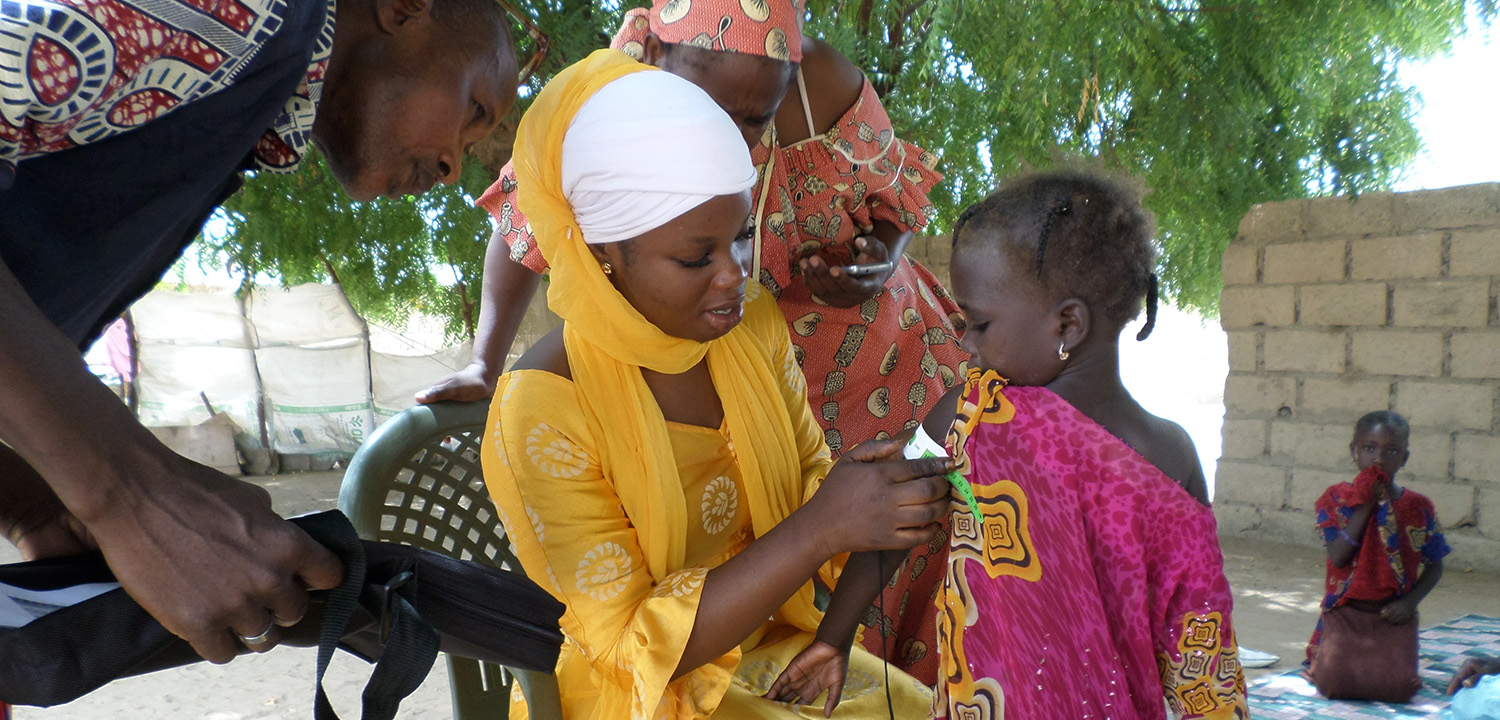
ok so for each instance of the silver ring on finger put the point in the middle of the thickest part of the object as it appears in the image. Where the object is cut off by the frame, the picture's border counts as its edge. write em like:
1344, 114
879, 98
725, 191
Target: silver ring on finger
257, 640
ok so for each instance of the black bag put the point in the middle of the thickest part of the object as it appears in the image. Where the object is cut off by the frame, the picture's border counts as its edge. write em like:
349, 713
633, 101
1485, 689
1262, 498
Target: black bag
398, 606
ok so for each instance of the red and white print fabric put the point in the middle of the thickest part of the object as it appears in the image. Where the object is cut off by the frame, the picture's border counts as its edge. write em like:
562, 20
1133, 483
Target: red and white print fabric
73, 72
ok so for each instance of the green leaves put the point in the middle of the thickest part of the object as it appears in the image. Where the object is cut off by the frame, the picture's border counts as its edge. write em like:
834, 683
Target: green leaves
1214, 106
392, 257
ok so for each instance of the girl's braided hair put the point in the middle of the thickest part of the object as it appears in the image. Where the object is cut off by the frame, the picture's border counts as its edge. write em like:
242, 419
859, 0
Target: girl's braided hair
1086, 236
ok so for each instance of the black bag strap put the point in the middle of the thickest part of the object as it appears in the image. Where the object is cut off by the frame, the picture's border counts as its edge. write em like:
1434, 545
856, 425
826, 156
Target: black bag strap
410, 651
412, 645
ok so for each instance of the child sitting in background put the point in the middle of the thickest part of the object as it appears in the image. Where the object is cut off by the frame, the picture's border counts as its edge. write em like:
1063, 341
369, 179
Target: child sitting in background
1385, 553
1094, 584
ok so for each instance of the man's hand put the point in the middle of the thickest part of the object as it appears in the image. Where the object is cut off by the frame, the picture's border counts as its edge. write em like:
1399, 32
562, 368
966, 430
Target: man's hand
55, 536
819, 667
1473, 669
466, 385
32, 517
204, 554
201, 552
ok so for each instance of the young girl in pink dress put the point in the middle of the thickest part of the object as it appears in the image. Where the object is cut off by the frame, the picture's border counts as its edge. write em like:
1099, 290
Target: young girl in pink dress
1093, 586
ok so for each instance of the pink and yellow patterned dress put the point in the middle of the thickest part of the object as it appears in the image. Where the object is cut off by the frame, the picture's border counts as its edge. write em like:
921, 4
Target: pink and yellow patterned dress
1095, 585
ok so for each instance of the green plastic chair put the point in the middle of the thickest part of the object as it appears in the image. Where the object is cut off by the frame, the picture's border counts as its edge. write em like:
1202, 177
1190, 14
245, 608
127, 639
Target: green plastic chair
417, 481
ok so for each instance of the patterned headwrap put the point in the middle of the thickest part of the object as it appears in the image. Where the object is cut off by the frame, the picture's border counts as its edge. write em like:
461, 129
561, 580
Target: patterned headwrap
770, 28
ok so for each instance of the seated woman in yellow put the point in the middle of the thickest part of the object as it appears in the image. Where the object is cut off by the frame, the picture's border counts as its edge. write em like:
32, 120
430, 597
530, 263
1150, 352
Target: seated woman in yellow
655, 459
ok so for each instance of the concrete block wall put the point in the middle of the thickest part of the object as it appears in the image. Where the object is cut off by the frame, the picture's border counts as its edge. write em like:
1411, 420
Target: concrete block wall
1334, 308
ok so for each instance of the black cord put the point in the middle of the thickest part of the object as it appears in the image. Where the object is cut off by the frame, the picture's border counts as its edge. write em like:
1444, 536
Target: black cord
880, 627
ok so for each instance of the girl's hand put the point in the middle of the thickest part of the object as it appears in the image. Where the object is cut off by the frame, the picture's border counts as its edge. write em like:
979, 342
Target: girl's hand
874, 500
833, 286
1399, 612
1369, 480
819, 667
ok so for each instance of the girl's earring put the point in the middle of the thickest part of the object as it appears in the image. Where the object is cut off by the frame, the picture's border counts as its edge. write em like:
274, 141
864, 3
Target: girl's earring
608, 269
1061, 353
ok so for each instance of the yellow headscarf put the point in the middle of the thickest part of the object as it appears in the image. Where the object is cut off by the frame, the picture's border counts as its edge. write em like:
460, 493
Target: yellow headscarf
608, 342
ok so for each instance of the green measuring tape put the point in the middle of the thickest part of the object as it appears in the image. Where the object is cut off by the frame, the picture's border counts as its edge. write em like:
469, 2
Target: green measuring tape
923, 446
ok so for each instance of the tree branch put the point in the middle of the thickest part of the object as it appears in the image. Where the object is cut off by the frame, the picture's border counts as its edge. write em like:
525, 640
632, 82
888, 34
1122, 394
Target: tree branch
466, 308
862, 20
896, 38
329, 266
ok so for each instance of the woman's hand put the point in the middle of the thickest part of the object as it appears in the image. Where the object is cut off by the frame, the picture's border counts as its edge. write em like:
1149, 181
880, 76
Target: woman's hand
466, 385
874, 500
1399, 612
819, 667
831, 285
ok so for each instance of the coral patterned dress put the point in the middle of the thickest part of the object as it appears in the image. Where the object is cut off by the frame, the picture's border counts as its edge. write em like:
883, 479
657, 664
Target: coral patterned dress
876, 369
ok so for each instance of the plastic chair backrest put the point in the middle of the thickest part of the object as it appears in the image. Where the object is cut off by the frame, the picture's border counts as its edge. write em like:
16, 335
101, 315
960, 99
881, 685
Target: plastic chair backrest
417, 481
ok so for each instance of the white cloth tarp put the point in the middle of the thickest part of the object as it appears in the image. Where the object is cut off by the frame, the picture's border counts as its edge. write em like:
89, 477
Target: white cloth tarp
313, 355
396, 379
190, 319
300, 357
190, 346
317, 399
302, 315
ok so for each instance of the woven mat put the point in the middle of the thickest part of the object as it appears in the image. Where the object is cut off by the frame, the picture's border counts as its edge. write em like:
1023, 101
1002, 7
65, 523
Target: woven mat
1443, 649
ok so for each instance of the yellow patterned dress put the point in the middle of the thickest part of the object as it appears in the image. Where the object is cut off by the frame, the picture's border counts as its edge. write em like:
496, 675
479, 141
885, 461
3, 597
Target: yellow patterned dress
626, 626
876, 369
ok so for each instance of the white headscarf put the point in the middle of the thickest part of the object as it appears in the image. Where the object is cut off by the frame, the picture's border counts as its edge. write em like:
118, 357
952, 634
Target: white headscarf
645, 149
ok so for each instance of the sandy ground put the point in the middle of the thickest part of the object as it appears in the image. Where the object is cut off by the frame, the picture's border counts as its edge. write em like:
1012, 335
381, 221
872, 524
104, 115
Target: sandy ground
1277, 588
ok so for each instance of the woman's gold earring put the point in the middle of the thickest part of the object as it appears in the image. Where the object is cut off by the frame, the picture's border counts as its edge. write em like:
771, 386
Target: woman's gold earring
608, 269
1061, 353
